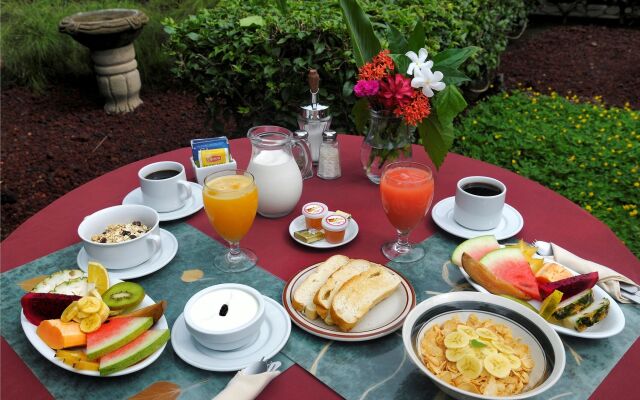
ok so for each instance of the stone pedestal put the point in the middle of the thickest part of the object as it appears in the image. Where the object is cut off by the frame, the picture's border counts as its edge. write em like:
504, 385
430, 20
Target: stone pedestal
118, 78
109, 35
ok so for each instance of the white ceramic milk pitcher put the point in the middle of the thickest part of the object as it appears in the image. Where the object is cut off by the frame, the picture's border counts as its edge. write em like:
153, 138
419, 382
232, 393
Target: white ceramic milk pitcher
275, 171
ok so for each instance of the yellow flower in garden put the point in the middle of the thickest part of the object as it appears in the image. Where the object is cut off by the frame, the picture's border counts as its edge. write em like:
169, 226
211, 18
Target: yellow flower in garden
633, 213
588, 208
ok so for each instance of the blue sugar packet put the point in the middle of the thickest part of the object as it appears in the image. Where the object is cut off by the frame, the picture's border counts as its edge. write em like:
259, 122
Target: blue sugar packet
220, 142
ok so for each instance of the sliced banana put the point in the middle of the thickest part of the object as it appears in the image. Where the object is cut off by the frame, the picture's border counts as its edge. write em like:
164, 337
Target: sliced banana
497, 365
456, 354
470, 366
456, 340
467, 330
104, 312
503, 348
515, 361
91, 323
488, 350
70, 312
486, 334
94, 292
90, 304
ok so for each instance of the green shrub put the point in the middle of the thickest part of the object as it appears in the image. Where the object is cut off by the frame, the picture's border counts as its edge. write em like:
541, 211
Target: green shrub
585, 151
254, 68
34, 53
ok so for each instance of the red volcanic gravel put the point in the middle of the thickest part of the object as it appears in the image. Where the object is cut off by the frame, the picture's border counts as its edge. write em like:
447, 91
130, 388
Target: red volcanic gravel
585, 60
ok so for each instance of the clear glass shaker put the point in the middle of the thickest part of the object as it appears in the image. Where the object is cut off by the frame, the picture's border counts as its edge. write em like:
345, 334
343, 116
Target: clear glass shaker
306, 169
329, 157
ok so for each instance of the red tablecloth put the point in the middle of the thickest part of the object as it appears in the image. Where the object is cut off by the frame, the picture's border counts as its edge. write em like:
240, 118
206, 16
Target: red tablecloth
548, 216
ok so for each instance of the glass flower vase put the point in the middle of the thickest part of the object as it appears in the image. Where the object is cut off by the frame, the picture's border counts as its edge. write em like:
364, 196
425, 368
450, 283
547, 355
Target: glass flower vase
388, 139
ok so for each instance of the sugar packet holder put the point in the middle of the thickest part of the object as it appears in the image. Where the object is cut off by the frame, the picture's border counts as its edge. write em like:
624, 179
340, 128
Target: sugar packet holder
203, 172
210, 151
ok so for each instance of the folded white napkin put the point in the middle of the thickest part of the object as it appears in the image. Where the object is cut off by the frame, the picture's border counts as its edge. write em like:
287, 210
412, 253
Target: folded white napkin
609, 279
246, 387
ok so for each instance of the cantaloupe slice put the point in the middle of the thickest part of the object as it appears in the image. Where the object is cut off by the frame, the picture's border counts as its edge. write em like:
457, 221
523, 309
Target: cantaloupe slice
61, 335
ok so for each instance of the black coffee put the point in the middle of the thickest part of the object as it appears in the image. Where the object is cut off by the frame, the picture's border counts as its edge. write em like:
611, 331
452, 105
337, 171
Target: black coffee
163, 174
481, 189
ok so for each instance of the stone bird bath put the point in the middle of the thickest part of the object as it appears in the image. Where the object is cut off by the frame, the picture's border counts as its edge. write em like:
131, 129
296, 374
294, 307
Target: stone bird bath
109, 35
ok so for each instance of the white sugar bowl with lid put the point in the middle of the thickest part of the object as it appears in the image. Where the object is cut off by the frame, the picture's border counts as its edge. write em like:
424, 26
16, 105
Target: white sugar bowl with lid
226, 316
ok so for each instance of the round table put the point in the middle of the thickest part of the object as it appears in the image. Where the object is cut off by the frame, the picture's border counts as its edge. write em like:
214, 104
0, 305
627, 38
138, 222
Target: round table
547, 215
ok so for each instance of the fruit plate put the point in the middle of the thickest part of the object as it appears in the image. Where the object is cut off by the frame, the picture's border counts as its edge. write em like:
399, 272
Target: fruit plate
610, 326
383, 319
48, 353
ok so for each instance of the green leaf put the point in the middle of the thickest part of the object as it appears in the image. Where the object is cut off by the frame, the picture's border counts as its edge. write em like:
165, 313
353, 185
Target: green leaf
449, 103
417, 38
477, 344
401, 61
282, 6
363, 39
252, 20
437, 137
453, 58
360, 113
397, 43
193, 36
453, 76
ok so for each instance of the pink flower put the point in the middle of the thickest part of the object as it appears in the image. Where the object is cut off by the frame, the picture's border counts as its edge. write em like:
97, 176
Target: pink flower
395, 91
366, 88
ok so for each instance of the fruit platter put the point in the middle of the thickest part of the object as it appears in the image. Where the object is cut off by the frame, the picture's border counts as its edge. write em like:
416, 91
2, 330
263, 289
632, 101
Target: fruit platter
572, 303
91, 325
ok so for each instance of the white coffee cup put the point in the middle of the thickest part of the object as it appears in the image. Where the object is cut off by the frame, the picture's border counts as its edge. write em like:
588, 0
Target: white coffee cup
479, 202
160, 190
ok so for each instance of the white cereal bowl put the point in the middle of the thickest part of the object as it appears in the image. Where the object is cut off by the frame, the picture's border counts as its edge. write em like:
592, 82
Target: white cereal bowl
229, 339
544, 343
125, 254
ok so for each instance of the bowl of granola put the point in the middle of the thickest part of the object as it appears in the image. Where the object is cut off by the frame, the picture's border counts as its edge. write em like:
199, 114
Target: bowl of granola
122, 236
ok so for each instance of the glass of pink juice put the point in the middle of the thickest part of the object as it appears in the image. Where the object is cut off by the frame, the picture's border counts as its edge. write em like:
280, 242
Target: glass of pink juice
406, 189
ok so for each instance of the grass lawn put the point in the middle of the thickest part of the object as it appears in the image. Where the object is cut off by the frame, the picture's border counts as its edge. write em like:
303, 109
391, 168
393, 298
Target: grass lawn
587, 152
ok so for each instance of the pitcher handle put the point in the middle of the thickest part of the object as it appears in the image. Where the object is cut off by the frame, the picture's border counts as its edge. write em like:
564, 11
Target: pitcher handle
307, 170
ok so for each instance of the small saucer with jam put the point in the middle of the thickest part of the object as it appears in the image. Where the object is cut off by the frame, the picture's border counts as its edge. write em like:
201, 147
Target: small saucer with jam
339, 228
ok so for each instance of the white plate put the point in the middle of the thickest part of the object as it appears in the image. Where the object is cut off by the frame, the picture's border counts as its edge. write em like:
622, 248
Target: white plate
299, 224
610, 326
383, 319
274, 333
510, 224
168, 250
191, 206
48, 353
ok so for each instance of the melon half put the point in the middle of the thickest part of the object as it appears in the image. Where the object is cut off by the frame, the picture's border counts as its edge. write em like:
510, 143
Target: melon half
476, 248
510, 265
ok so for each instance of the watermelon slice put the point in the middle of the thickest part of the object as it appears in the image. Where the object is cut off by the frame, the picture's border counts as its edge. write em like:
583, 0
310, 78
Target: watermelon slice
38, 307
142, 347
115, 333
511, 265
476, 248
570, 286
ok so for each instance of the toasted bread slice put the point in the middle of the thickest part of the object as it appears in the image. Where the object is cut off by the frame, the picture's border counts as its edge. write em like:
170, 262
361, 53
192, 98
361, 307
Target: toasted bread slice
302, 299
325, 295
360, 293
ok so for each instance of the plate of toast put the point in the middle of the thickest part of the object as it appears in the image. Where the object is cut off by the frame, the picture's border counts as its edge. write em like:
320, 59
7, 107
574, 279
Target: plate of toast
348, 299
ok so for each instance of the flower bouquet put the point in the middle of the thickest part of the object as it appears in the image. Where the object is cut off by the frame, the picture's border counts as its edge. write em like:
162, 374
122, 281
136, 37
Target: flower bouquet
400, 89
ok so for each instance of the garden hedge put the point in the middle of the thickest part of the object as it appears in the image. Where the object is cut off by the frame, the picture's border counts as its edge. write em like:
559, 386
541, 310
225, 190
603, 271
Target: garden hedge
249, 61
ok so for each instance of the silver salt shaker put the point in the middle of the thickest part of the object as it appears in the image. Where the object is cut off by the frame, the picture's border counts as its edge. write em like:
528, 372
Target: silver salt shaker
314, 118
305, 170
329, 156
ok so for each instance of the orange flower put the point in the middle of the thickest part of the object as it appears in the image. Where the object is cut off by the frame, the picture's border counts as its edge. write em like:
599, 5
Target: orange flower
417, 110
378, 68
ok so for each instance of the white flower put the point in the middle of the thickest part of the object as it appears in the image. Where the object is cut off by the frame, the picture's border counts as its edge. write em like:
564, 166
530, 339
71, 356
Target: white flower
418, 61
427, 80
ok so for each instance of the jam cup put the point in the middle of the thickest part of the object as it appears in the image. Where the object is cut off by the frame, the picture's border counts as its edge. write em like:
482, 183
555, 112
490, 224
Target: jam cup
313, 214
334, 225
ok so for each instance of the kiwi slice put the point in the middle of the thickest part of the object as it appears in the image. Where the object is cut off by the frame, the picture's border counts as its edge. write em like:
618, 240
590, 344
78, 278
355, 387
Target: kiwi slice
123, 295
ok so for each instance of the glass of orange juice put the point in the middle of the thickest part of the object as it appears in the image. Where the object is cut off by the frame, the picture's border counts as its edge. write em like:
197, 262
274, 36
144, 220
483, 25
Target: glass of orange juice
406, 189
230, 201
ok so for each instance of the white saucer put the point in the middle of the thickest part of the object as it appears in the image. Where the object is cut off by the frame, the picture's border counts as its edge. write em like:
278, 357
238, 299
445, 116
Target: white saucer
168, 250
274, 333
298, 224
510, 224
191, 206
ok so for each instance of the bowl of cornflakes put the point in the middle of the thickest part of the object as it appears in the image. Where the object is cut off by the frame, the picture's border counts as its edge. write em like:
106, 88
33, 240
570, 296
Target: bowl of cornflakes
481, 346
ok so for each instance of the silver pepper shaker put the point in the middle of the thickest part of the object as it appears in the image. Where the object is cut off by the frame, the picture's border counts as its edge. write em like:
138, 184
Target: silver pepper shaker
305, 170
314, 118
329, 157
